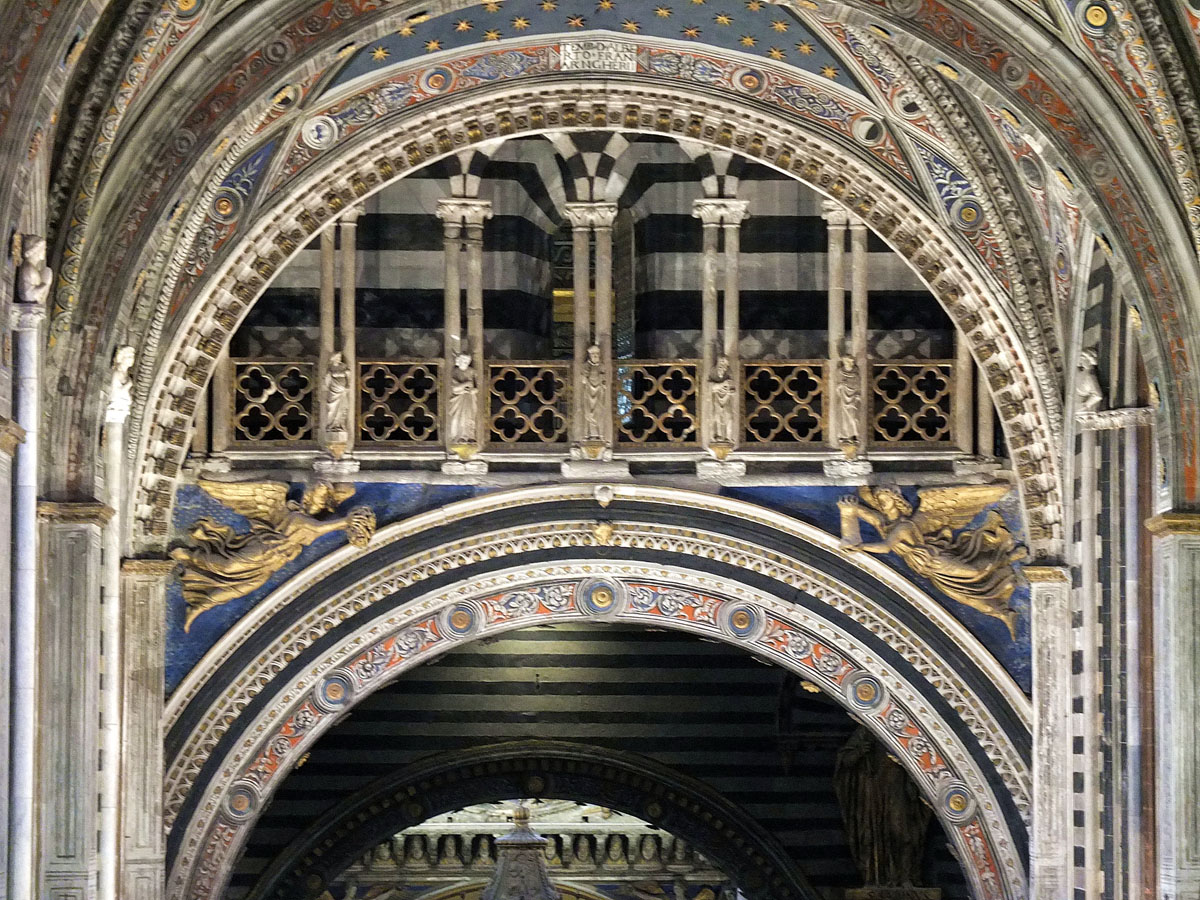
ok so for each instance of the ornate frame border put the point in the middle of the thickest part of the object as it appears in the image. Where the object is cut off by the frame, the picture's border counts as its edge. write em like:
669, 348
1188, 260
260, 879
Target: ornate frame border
370, 160
271, 691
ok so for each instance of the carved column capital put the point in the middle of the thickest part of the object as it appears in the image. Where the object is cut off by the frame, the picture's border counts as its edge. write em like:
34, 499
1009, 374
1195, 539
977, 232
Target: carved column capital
591, 215
148, 568
1112, 419
26, 316
834, 213
74, 512
715, 210
1047, 574
1175, 522
464, 210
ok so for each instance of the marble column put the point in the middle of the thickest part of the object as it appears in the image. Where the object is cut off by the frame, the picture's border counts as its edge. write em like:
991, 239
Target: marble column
985, 417
327, 322
68, 697
581, 224
222, 403
119, 405
964, 394
462, 240
1051, 845
710, 212
347, 306
22, 828
859, 288
1177, 712
603, 215
143, 599
836, 218
11, 435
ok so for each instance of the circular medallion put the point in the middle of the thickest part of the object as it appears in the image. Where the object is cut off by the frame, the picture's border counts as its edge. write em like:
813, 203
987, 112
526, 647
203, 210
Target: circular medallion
956, 801
436, 80
319, 132
333, 694
226, 205
741, 620
242, 801
186, 9
1096, 15
868, 130
461, 620
750, 81
597, 597
864, 692
966, 213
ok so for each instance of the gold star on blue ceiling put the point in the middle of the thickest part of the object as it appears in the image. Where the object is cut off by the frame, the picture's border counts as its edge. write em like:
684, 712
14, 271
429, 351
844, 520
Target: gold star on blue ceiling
746, 27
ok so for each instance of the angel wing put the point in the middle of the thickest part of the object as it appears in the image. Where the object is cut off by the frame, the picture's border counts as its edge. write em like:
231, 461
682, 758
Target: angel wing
955, 507
263, 501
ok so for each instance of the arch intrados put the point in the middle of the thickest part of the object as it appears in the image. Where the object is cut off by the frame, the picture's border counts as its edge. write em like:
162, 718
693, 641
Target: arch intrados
547, 770
952, 275
248, 771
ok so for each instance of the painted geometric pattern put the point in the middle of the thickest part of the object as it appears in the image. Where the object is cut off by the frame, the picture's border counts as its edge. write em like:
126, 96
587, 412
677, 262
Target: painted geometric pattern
801, 98
756, 28
964, 210
766, 635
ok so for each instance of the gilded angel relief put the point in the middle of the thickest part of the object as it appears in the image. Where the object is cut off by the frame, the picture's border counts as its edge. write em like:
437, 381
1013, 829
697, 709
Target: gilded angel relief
973, 566
223, 564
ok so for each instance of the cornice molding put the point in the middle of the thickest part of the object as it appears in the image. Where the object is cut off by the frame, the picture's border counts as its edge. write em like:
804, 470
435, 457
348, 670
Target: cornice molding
1179, 522
74, 512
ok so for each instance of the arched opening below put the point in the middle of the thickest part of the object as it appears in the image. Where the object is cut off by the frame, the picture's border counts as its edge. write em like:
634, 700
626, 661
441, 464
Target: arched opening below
622, 717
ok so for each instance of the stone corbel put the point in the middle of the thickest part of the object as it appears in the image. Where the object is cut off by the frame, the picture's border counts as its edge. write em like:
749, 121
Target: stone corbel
1112, 419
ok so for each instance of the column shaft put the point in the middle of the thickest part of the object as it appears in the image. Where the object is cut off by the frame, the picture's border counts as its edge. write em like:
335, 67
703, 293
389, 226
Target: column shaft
10, 437
964, 394
835, 259
451, 292
22, 828
859, 274
347, 332
474, 246
1050, 863
222, 402
985, 417
581, 287
327, 317
708, 295
603, 215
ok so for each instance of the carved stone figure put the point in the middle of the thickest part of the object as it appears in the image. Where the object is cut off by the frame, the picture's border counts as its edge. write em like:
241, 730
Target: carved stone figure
337, 399
723, 393
120, 395
846, 424
595, 395
1088, 395
36, 276
886, 821
223, 564
463, 406
973, 567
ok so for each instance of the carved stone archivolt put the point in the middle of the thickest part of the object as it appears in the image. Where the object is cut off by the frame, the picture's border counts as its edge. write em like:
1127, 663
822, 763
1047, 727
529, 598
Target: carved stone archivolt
201, 742
950, 270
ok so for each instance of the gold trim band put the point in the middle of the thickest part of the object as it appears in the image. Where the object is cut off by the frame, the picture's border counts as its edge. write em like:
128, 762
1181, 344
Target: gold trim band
1174, 523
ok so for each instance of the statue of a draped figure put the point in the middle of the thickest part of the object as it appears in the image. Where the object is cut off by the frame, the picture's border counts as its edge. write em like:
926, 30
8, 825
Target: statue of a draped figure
595, 395
722, 391
337, 399
886, 821
36, 277
847, 407
463, 407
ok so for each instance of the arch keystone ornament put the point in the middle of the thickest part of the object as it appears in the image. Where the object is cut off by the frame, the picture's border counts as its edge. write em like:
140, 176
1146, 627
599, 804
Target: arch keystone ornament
705, 565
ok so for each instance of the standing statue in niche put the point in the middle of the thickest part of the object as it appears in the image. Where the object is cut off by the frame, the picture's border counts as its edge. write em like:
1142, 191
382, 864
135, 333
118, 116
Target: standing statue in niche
846, 424
36, 276
462, 421
973, 566
1088, 396
120, 396
886, 820
337, 403
595, 395
722, 390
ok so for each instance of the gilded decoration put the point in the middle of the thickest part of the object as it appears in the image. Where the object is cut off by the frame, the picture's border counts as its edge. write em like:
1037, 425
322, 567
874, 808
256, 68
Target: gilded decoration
973, 566
222, 564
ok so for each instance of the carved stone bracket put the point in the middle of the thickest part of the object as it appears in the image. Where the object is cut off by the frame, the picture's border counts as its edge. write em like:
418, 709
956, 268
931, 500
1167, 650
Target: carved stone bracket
1110, 419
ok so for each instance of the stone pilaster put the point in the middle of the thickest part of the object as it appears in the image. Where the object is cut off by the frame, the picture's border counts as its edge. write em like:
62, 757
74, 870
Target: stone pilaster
1050, 862
68, 698
143, 598
1177, 712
